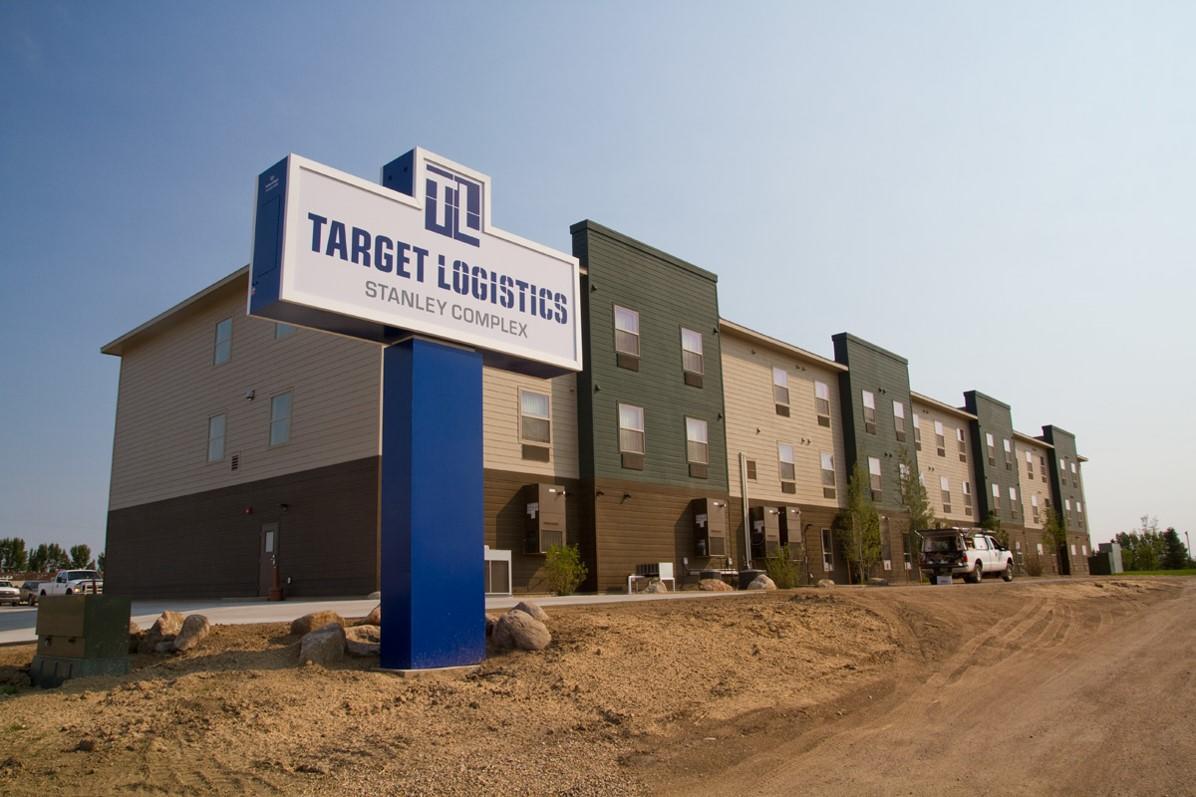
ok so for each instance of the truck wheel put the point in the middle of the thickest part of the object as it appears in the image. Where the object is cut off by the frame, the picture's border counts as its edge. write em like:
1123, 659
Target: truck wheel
70, 592
1008, 574
977, 575
43, 593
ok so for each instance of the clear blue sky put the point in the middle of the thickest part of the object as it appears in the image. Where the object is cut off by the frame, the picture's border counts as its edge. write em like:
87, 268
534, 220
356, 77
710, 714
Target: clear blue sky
1003, 193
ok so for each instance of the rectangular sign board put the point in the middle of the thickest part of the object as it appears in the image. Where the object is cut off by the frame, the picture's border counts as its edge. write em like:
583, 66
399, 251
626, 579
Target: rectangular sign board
337, 253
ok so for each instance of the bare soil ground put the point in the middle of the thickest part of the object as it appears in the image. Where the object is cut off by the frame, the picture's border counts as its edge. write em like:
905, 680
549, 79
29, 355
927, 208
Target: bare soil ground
1087, 687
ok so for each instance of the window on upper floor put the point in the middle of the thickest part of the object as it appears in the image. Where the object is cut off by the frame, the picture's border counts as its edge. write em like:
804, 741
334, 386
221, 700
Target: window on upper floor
632, 447
996, 497
945, 491
693, 364
1042, 467
223, 349
822, 403
787, 468
869, 411
216, 424
627, 338
1008, 453
991, 445
967, 498
751, 469
961, 444
917, 432
1079, 507
940, 439
535, 425
697, 447
780, 391
827, 463
1013, 500
874, 478
1029, 465
1034, 507
899, 420
280, 418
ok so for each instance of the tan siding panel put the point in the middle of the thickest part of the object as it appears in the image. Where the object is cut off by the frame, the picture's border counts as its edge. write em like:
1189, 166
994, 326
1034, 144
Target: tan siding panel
1032, 486
503, 450
933, 466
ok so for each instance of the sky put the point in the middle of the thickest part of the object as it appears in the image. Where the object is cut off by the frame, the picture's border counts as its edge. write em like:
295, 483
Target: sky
1000, 192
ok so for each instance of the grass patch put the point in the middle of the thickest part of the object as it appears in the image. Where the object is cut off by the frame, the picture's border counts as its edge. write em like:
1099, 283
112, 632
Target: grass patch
1187, 571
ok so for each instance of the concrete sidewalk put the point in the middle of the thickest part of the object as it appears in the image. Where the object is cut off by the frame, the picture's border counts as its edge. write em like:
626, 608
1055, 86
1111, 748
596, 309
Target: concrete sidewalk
17, 624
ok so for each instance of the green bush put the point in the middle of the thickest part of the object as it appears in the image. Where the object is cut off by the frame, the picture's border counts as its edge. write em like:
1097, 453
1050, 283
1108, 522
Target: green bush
1033, 566
564, 569
780, 568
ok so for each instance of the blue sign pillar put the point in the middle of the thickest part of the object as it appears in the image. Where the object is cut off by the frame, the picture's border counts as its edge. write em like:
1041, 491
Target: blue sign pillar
433, 602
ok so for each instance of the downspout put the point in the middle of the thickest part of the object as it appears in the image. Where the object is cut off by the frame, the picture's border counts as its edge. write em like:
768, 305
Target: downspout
747, 523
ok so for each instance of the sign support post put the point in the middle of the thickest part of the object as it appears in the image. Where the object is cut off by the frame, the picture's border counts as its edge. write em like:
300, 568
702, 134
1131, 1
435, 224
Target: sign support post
433, 607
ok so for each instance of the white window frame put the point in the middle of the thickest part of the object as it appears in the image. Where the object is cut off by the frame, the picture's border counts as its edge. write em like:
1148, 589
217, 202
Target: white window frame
222, 348
686, 349
780, 386
826, 464
874, 476
643, 436
822, 393
782, 462
691, 441
213, 438
281, 421
899, 419
523, 438
620, 328
869, 402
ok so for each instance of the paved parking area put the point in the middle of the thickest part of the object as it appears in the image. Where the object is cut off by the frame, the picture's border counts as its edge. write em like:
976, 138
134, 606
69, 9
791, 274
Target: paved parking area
17, 623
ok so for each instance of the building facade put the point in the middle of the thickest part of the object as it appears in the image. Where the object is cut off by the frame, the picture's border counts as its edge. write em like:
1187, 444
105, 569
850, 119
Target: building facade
687, 439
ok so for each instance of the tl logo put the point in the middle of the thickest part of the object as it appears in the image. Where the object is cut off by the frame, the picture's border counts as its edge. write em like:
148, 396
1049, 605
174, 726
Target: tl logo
452, 205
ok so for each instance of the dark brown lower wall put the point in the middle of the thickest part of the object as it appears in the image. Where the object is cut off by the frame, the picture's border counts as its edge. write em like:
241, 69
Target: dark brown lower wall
638, 523
505, 513
205, 545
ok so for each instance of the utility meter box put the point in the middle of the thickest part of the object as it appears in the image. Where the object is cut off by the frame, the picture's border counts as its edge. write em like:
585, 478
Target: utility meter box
791, 533
766, 530
80, 635
544, 517
710, 527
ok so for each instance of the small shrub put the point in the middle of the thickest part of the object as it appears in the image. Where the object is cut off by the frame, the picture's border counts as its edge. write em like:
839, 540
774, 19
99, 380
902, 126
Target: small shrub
780, 569
564, 569
1033, 566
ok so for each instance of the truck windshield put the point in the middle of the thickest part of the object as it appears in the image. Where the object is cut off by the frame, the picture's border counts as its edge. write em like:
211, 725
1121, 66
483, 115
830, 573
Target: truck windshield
939, 544
75, 575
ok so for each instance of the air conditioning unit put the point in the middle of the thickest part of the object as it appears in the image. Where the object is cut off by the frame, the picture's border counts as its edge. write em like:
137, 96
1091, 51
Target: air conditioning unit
544, 517
710, 527
766, 531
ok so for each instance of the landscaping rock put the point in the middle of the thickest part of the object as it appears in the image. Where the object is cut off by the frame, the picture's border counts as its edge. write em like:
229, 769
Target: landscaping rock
527, 607
310, 622
135, 634
165, 646
490, 623
656, 588
519, 630
826, 583
715, 585
762, 582
375, 616
195, 628
878, 582
164, 629
324, 646
363, 640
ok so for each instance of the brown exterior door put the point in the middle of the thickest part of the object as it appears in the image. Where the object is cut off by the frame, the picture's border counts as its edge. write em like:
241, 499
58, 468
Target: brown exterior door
267, 556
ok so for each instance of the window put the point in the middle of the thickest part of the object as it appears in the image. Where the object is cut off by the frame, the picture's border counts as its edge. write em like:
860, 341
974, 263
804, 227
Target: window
1073, 466
1013, 500
996, 497
280, 419
828, 551
788, 471
751, 469
917, 432
1043, 468
224, 342
945, 488
940, 440
780, 390
903, 471
1079, 507
822, 403
991, 445
1034, 507
282, 330
1084, 550
692, 363
1073, 549
961, 444
1039, 549
899, 420
1029, 465
827, 462
215, 438
874, 477
869, 412
627, 338
967, 498
631, 436
535, 425
697, 447
1008, 454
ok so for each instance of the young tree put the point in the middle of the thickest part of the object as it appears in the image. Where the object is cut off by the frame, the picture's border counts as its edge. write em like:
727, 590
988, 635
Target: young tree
38, 558
858, 526
917, 503
1175, 555
1054, 534
13, 557
81, 556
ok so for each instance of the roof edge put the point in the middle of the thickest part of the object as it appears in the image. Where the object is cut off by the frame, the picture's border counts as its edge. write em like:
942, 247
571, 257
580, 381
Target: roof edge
777, 343
942, 405
587, 224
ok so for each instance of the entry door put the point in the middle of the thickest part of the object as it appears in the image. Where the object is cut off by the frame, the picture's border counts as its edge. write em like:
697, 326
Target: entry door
267, 556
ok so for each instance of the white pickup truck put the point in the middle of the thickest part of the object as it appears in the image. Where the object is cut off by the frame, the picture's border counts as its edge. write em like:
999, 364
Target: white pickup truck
73, 582
971, 553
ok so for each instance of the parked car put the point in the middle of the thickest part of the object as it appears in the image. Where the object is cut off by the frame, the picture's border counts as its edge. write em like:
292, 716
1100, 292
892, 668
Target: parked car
29, 591
9, 594
971, 553
72, 582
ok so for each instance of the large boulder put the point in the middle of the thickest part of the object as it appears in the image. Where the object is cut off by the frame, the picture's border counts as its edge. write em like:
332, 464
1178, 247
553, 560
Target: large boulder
194, 629
135, 634
762, 582
164, 629
527, 607
519, 630
826, 583
324, 646
375, 616
363, 640
714, 585
301, 626
656, 588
